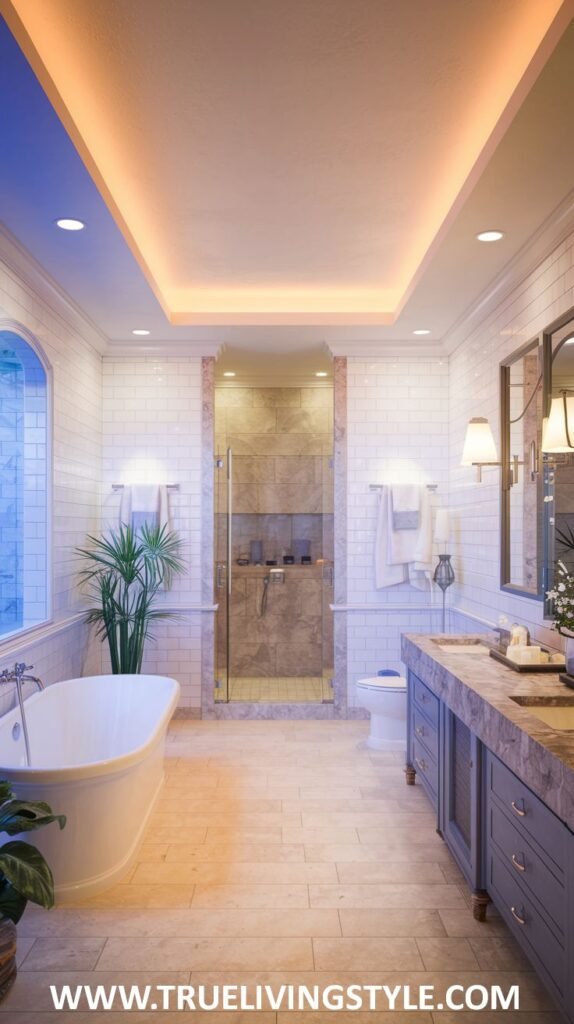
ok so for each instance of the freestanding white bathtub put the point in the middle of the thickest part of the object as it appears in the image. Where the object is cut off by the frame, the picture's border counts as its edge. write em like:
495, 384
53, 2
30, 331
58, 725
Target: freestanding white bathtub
97, 748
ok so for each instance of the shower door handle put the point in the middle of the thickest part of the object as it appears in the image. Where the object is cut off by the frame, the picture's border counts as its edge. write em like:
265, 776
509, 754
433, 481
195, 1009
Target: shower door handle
229, 517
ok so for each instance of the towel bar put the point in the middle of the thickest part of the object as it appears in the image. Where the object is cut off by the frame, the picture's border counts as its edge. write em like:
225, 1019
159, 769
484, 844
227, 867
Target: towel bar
379, 487
120, 487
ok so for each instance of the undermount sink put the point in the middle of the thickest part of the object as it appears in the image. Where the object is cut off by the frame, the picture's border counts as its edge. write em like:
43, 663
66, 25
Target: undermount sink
557, 712
461, 646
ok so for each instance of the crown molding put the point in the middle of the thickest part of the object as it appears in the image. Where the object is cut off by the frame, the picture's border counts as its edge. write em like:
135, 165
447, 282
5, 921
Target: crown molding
539, 246
162, 349
22, 265
387, 349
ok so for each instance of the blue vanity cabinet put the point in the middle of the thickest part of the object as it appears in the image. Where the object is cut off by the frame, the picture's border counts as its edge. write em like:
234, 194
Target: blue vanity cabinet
460, 817
530, 877
423, 738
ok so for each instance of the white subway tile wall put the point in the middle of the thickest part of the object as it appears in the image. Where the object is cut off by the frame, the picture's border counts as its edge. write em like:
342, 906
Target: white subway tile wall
152, 434
77, 428
546, 294
397, 432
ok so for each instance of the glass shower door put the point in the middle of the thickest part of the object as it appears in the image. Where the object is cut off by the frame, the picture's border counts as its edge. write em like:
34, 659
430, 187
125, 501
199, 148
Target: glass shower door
223, 561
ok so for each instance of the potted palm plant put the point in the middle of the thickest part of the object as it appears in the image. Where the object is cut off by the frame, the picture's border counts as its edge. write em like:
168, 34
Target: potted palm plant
125, 571
24, 873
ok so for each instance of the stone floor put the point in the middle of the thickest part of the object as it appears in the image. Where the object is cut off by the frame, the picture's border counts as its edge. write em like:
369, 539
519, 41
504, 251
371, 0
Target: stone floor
279, 852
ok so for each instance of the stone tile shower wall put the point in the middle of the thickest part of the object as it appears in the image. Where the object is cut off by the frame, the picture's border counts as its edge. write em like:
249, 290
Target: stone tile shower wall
282, 443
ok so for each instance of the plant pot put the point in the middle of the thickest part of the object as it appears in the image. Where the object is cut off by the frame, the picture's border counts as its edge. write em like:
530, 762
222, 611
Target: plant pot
7, 955
569, 654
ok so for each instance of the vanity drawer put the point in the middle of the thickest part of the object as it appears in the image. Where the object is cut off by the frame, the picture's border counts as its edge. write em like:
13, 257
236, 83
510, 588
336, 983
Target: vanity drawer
425, 731
524, 921
426, 700
521, 859
528, 813
427, 769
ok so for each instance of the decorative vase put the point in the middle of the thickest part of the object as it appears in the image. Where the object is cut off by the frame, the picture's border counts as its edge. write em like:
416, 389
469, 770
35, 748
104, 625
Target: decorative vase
7, 955
569, 655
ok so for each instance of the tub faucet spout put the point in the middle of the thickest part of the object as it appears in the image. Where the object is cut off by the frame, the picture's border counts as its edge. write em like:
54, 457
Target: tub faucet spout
18, 676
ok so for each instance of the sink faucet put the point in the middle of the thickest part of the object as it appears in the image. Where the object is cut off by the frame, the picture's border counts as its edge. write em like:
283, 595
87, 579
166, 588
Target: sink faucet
18, 676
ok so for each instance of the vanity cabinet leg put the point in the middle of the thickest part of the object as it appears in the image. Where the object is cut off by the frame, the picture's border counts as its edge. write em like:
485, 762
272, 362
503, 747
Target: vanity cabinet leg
480, 900
410, 775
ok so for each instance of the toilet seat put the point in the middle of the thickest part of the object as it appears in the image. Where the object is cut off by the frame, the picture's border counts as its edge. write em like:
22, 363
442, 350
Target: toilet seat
390, 684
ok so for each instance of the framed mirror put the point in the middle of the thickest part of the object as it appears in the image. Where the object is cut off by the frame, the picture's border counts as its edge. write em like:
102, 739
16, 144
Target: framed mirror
558, 466
522, 479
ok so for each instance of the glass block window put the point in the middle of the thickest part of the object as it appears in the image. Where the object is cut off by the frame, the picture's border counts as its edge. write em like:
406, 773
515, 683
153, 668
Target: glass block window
24, 598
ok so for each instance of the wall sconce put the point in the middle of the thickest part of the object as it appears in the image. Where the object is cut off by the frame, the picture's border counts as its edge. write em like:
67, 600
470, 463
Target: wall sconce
480, 450
556, 435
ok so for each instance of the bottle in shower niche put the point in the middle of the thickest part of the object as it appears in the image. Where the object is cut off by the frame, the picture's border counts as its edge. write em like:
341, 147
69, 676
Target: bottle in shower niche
302, 551
256, 551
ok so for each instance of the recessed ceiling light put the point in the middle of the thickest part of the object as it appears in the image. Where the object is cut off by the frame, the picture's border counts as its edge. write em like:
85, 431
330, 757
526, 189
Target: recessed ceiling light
490, 236
140, 332
229, 373
321, 373
70, 224
422, 330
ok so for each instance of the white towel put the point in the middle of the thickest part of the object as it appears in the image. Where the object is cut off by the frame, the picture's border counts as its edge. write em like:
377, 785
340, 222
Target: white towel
403, 555
144, 503
406, 506
387, 574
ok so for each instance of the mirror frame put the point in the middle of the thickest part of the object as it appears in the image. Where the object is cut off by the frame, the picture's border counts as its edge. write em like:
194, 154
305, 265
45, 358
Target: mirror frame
537, 343
546, 464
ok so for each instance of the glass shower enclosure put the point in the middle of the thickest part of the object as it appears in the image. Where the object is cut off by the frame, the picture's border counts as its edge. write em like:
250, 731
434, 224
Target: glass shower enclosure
273, 573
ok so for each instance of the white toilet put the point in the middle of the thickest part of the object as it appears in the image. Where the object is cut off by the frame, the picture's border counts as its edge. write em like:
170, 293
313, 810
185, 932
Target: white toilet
386, 699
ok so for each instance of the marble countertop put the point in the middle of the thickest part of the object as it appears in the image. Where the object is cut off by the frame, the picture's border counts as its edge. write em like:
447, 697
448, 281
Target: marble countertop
478, 690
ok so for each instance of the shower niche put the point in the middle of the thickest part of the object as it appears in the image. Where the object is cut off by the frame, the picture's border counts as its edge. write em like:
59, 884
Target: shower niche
273, 573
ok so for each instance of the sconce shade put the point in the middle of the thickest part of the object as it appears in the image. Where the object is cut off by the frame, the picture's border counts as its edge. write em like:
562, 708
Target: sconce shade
479, 443
559, 426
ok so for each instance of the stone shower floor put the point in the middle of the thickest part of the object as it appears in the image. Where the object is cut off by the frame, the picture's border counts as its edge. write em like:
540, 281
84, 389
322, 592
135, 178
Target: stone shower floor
282, 689
280, 852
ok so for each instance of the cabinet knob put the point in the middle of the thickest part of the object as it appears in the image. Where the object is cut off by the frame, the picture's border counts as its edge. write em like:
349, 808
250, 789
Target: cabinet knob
517, 917
520, 811
518, 864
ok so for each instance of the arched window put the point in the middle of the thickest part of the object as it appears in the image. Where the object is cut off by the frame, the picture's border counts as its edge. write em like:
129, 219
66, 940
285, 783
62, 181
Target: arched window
23, 486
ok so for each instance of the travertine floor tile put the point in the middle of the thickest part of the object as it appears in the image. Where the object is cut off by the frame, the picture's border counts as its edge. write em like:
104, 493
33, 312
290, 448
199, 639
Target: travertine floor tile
446, 954
190, 923
388, 923
392, 871
200, 954
366, 954
461, 923
414, 897
232, 873
393, 851
251, 896
215, 853
498, 953
280, 852
63, 954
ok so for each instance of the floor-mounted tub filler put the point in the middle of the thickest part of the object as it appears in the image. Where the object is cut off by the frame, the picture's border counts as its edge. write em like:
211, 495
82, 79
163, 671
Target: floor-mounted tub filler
97, 750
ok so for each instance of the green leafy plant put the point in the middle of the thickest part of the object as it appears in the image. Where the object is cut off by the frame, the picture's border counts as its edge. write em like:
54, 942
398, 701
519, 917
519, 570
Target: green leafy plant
24, 873
563, 601
126, 569
565, 538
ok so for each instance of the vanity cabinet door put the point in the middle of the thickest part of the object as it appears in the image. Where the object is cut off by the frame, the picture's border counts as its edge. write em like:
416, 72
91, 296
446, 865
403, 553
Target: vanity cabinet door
460, 817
